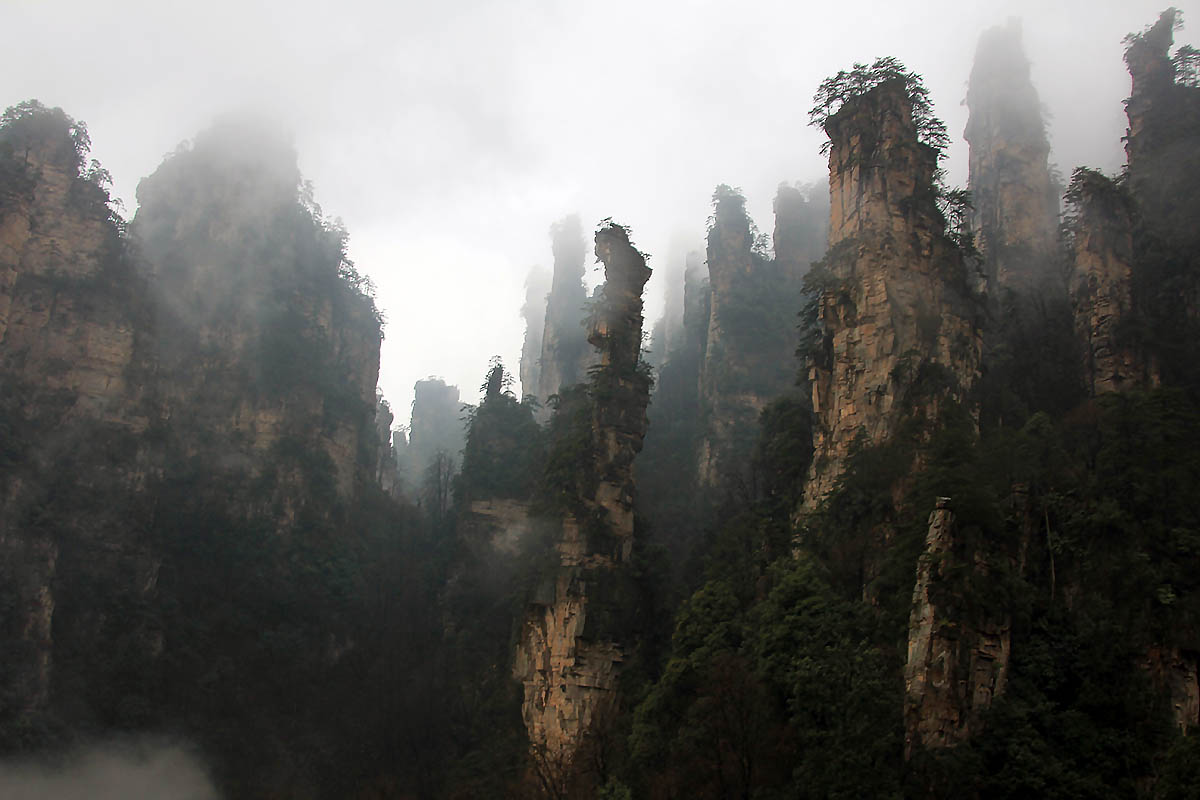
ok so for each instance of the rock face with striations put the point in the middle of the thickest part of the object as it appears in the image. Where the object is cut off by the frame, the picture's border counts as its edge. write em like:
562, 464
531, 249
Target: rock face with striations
73, 317
1015, 216
1102, 285
898, 313
954, 669
569, 653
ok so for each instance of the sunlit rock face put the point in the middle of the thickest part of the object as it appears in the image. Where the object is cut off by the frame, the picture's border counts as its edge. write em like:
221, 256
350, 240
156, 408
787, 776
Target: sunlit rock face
73, 314
565, 355
261, 341
569, 654
1015, 200
1102, 290
955, 669
900, 316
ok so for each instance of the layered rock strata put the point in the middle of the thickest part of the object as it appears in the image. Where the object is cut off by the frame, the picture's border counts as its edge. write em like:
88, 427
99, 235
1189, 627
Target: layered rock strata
1102, 287
899, 313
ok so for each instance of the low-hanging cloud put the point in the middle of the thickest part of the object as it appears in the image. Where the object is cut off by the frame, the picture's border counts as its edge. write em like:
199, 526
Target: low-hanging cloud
142, 769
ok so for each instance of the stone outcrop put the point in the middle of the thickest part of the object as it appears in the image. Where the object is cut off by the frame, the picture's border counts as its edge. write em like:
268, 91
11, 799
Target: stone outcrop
1015, 217
1102, 285
899, 312
565, 358
1176, 671
569, 652
537, 285
955, 669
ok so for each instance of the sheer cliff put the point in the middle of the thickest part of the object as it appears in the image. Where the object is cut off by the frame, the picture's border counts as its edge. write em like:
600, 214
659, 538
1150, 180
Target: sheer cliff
570, 649
898, 313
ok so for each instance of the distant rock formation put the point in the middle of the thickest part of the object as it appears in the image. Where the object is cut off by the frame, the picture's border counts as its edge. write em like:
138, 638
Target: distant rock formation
537, 285
1015, 217
801, 235
565, 357
751, 333
899, 315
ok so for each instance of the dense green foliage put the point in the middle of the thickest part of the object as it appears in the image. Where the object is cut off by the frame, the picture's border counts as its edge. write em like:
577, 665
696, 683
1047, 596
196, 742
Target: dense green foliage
835, 91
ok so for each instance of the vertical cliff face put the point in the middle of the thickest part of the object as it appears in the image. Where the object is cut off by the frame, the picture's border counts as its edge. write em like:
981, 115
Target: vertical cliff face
897, 310
73, 317
955, 668
749, 343
1163, 173
1149, 107
537, 285
800, 237
263, 339
1015, 216
1101, 228
1177, 673
569, 653
210, 372
564, 358
70, 301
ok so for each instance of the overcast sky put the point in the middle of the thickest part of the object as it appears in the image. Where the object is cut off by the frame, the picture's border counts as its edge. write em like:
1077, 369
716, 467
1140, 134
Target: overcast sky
449, 135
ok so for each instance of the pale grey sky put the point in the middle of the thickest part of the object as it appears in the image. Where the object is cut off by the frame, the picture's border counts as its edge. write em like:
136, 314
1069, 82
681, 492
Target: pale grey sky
448, 136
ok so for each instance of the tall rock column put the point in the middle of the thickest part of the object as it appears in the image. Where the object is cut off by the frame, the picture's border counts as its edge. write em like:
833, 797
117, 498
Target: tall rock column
1102, 284
899, 318
1015, 200
537, 285
569, 652
955, 668
564, 358
748, 354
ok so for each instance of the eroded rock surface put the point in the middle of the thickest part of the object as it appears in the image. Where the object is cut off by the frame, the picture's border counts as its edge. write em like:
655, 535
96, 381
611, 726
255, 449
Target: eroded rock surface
900, 314
955, 669
569, 654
